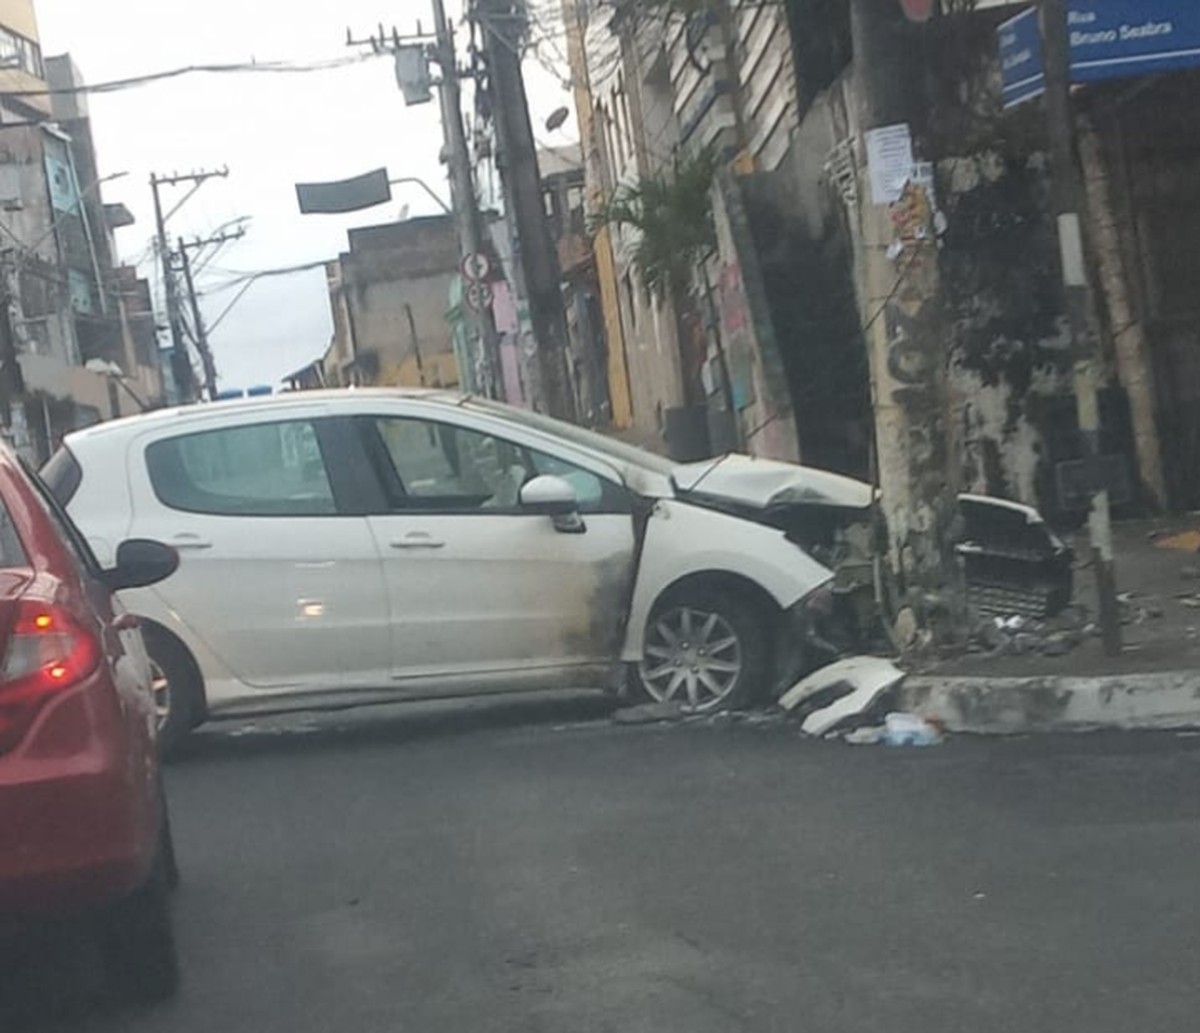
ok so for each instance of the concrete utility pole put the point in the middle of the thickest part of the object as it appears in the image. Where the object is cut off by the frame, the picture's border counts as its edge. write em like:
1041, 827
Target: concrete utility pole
181, 365
201, 333
1067, 188
916, 454
504, 23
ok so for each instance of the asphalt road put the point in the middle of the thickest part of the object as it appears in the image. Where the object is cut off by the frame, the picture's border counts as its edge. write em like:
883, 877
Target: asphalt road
533, 867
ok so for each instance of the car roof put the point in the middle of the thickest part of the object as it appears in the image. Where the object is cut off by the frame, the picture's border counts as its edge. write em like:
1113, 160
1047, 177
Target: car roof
631, 462
127, 425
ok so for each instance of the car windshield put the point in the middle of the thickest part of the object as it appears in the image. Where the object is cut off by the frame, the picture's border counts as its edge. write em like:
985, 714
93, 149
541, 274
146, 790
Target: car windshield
617, 451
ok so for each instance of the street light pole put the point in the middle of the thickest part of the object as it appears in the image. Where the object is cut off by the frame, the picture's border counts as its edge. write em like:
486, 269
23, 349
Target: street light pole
1068, 204
424, 186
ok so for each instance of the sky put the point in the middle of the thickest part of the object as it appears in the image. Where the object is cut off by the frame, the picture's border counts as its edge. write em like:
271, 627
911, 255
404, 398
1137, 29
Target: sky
271, 131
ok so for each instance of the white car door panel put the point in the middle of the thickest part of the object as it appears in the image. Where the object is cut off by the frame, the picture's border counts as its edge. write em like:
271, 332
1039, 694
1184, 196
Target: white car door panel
283, 588
475, 592
474, 583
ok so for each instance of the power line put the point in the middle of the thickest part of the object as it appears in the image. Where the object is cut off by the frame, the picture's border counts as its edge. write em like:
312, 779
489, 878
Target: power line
243, 67
240, 277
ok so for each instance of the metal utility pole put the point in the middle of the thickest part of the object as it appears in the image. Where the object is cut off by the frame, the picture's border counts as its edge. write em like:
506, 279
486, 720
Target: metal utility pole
1067, 187
181, 366
504, 23
201, 334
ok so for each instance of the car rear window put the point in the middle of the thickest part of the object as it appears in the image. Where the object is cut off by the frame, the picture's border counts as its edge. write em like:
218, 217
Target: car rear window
12, 552
62, 475
260, 469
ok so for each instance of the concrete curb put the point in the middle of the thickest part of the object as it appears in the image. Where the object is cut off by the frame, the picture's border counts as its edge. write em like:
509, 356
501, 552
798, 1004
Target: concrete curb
1010, 706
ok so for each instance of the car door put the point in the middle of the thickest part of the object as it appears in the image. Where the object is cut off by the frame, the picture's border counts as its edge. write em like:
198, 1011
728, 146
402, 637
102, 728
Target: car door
280, 576
476, 585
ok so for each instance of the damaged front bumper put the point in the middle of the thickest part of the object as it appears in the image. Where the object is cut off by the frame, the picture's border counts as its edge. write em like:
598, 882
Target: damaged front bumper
1012, 564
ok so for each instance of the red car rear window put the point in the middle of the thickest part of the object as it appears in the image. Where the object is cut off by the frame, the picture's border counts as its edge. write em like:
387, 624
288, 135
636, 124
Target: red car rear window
12, 552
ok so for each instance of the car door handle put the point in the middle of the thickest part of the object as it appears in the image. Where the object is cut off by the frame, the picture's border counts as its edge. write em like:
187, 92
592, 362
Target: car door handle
417, 541
190, 541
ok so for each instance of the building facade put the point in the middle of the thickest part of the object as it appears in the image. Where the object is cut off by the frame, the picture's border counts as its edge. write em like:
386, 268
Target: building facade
78, 333
389, 296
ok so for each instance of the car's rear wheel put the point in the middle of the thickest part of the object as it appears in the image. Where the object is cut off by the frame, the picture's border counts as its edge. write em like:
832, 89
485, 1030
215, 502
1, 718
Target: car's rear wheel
705, 649
138, 942
177, 694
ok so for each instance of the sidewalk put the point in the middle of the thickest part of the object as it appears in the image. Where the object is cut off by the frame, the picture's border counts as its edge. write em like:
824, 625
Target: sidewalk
1023, 679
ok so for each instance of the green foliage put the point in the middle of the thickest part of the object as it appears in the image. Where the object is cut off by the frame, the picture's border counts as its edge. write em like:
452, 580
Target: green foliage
672, 214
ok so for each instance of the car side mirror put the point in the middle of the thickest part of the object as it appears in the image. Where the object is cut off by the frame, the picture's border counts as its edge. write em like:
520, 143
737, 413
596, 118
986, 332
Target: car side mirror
554, 497
140, 563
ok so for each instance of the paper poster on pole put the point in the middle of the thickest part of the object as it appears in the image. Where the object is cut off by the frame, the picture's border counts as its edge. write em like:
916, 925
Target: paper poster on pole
890, 161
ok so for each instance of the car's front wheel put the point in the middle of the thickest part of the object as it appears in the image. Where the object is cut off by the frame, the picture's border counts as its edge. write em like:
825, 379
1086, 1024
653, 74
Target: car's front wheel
706, 648
177, 696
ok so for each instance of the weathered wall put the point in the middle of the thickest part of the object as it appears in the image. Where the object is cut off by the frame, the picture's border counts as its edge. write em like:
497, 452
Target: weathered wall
1147, 163
766, 79
1009, 353
759, 394
633, 131
396, 280
806, 253
1008, 347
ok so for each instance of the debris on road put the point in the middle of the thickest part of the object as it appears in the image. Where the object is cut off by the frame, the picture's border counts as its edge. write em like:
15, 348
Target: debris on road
650, 713
1016, 635
1012, 561
866, 736
910, 730
841, 692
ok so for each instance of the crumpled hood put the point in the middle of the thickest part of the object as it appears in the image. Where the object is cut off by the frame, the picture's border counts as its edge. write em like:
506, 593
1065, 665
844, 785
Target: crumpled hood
764, 483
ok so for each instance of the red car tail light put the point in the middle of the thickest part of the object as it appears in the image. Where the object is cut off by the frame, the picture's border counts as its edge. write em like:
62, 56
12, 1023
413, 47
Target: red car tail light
48, 651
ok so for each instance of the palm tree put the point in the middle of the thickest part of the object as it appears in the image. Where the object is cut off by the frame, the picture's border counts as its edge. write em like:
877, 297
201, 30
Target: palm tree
671, 214
672, 219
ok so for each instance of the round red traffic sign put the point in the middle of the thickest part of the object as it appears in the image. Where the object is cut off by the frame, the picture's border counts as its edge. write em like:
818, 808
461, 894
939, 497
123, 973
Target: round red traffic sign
479, 296
476, 267
918, 10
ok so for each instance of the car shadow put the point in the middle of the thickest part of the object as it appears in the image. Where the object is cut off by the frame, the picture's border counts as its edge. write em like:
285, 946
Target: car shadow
388, 724
51, 979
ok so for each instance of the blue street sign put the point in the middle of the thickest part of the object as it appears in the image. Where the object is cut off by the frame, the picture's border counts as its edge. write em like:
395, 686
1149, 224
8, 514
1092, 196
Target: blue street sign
1021, 65
1110, 39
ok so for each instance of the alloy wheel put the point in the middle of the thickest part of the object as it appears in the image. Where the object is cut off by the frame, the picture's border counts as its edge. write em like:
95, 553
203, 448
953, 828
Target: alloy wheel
691, 656
161, 685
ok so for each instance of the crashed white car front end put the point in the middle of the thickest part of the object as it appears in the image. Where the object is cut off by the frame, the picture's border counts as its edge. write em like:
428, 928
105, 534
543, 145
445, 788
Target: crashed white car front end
799, 530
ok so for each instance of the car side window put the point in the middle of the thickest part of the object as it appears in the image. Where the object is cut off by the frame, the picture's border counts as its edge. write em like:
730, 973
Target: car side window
12, 552
260, 469
437, 466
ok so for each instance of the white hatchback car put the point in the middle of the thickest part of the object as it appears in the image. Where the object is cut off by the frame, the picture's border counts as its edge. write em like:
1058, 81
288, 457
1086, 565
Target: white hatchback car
363, 545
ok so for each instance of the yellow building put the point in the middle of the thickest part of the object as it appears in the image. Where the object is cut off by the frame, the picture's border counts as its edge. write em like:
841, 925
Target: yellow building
21, 65
619, 392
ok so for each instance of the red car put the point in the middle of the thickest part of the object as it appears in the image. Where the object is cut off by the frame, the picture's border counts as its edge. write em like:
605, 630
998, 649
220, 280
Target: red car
83, 819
